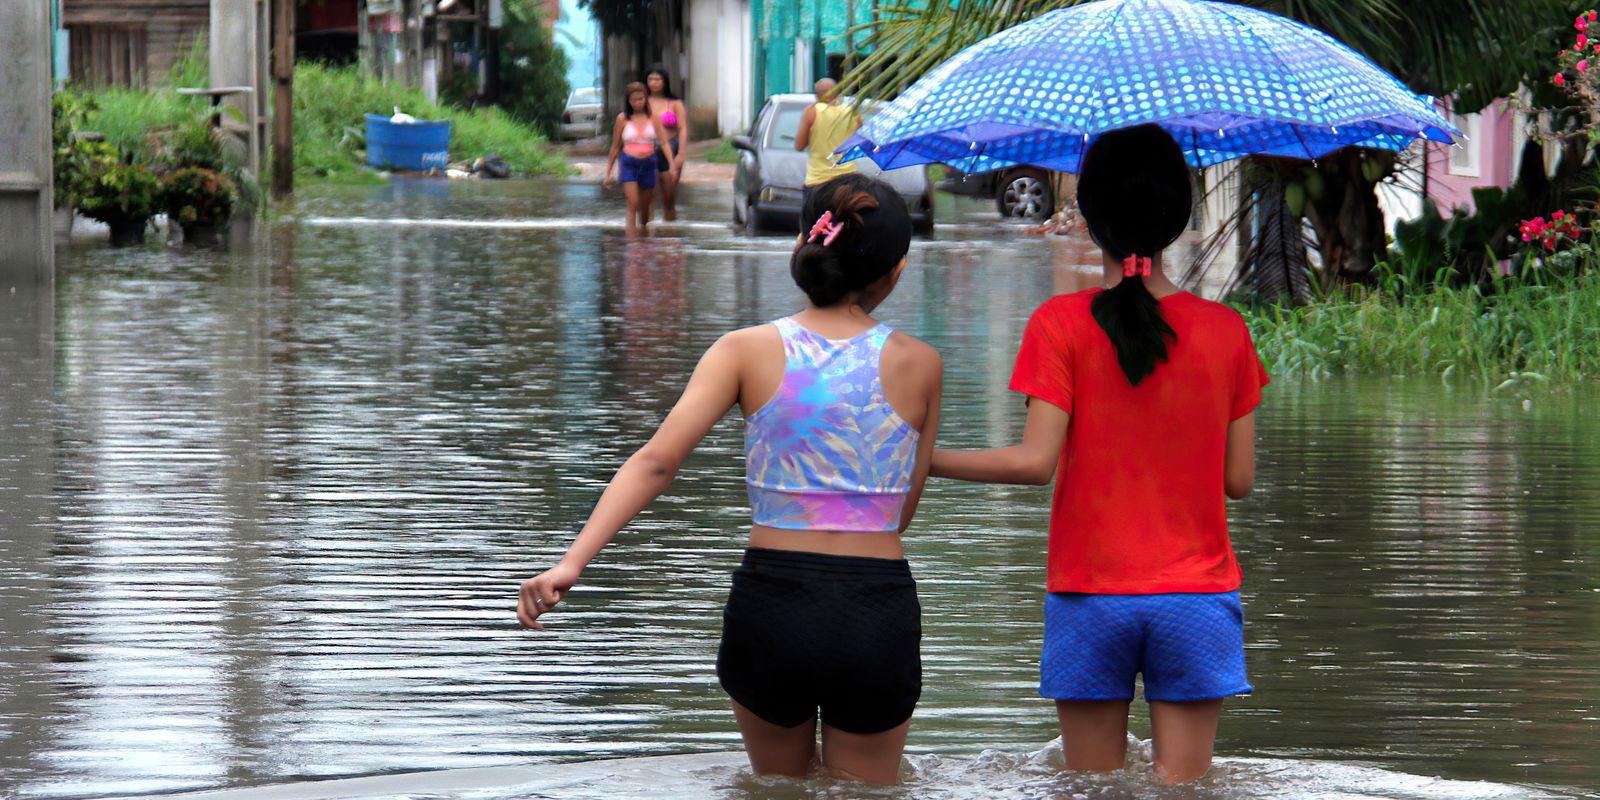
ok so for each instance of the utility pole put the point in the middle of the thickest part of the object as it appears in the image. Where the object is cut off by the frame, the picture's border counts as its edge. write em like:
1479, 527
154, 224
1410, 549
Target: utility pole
283, 99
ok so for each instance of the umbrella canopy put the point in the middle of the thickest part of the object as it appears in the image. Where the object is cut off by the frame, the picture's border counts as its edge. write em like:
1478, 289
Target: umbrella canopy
1225, 80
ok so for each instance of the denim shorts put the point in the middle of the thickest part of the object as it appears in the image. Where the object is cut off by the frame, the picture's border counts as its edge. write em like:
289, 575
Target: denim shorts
637, 169
1187, 646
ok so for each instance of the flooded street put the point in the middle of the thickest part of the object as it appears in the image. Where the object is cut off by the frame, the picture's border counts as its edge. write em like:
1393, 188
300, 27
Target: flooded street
263, 514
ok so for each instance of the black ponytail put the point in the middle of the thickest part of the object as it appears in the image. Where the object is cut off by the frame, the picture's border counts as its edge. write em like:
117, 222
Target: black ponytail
874, 234
1134, 194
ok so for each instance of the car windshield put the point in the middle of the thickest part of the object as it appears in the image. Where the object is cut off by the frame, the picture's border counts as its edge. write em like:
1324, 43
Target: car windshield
584, 97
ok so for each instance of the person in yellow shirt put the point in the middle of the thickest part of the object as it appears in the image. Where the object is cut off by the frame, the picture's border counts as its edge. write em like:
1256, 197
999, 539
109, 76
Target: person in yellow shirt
823, 127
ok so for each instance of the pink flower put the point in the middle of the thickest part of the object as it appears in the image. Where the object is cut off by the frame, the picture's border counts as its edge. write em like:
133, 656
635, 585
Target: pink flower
1583, 41
1594, 16
1559, 215
1583, 65
1561, 80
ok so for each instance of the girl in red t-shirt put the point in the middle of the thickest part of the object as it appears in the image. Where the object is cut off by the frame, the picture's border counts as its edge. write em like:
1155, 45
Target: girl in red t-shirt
1145, 406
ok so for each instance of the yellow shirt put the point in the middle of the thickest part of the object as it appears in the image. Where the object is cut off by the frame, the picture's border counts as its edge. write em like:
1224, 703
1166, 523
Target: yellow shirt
834, 124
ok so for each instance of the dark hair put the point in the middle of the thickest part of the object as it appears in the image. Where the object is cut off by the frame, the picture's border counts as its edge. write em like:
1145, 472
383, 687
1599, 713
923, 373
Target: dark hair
627, 98
666, 81
875, 237
1134, 194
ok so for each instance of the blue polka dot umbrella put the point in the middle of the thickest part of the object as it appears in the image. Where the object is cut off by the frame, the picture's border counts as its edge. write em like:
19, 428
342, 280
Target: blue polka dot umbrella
1225, 80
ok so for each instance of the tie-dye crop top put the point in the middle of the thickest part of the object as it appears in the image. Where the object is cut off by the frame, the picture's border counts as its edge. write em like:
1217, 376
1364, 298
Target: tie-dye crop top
828, 452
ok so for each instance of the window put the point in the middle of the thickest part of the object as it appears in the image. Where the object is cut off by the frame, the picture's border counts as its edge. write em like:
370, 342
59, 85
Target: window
785, 124
108, 54
1466, 157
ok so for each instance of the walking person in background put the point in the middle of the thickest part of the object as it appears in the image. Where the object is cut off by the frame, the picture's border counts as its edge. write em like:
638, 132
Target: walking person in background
823, 127
840, 411
633, 145
668, 109
1143, 396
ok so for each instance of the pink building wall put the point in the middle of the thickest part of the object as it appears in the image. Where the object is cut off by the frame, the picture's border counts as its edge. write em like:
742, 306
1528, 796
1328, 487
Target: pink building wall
1493, 147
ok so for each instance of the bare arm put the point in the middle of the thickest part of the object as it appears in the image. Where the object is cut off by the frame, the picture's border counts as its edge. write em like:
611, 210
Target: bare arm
1032, 462
661, 133
616, 149
683, 131
1239, 465
926, 436
802, 136
712, 390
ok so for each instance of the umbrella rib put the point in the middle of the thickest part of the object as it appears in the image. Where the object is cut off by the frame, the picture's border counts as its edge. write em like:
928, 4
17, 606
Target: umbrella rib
1267, 46
1100, 42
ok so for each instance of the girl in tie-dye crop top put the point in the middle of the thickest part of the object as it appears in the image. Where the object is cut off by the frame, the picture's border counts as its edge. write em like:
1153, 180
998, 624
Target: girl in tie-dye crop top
836, 465
828, 452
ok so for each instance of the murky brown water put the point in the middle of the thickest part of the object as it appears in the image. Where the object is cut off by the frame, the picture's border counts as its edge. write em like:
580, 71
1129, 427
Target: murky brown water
262, 515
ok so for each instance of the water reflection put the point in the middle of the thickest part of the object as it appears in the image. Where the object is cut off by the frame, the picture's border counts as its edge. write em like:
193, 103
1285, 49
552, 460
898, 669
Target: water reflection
265, 511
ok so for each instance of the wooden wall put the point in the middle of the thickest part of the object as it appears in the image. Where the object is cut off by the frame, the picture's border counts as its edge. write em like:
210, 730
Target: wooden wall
107, 35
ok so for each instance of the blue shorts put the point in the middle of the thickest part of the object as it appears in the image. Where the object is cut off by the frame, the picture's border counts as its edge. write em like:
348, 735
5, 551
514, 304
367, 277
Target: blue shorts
1187, 646
637, 169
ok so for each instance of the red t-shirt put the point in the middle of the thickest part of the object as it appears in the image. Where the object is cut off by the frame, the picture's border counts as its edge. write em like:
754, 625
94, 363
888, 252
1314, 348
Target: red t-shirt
1138, 505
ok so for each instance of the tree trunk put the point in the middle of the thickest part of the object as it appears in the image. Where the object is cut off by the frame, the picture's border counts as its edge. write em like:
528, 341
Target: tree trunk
1348, 219
667, 15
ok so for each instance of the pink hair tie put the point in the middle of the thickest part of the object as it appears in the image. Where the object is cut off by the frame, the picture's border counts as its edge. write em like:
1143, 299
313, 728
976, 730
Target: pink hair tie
1134, 266
827, 229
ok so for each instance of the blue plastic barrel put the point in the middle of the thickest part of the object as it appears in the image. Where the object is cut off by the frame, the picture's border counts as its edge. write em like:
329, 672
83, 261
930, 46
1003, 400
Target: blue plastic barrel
411, 145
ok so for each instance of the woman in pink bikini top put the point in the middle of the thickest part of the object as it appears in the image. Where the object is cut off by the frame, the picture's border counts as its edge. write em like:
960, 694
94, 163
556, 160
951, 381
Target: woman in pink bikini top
667, 108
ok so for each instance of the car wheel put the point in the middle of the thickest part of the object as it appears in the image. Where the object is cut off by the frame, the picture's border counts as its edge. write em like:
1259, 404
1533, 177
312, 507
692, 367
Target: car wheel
1025, 194
752, 219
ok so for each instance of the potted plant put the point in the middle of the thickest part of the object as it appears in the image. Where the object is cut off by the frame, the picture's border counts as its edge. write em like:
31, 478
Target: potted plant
200, 201
125, 197
78, 154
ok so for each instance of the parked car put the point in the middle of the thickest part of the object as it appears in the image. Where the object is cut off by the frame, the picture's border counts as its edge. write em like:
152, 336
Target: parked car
770, 175
581, 118
1018, 192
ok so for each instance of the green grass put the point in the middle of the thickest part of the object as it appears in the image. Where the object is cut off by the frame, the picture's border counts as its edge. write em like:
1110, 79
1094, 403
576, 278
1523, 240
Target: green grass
723, 153
1504, 336
330, 108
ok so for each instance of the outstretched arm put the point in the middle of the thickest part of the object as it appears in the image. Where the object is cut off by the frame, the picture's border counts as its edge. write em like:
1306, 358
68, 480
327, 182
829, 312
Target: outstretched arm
712, 390
1033, 461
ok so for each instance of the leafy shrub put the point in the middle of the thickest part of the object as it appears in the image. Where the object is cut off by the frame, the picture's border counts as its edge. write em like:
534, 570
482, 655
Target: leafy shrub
122, 193
199, 196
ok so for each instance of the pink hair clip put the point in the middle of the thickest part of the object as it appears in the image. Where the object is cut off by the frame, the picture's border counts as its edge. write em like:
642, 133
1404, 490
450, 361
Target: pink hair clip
1135, 266
826, 228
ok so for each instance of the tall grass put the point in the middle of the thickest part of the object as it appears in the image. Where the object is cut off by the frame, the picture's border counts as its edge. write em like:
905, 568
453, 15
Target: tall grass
330, 108
1504, 335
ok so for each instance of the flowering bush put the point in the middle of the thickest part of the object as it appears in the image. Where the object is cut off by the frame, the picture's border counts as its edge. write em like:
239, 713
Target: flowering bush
1561, 229
199, 196
1574, 74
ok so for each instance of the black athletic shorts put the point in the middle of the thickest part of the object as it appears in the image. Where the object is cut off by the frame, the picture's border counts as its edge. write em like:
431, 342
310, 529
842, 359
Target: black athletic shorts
804, 631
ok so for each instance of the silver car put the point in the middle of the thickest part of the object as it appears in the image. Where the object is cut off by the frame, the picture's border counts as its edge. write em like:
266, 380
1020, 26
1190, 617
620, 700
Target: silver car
581, 118
768, 180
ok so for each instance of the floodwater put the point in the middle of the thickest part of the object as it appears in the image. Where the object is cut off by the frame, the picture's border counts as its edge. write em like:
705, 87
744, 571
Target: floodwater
263, 514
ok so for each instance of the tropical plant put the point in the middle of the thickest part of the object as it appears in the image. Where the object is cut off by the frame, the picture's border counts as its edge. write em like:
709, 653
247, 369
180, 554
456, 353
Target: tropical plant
1473, 51
533, 71
77, 154
122, 193
199, 196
